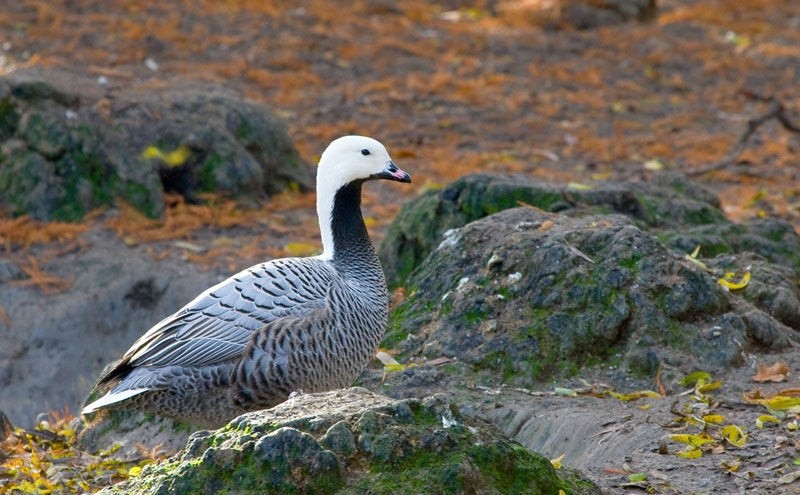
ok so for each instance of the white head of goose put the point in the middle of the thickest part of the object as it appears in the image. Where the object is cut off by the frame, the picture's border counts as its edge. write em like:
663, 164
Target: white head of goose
283, 325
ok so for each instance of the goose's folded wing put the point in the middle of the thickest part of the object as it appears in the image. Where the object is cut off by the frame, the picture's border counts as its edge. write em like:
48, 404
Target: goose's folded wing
217, 325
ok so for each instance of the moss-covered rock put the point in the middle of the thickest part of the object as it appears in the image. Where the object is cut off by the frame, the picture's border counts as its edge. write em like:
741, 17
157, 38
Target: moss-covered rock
525, 296
668, 201
350, 442
71, 145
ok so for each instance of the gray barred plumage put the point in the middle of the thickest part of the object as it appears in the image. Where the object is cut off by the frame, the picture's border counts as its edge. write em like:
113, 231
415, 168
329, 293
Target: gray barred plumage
285, 325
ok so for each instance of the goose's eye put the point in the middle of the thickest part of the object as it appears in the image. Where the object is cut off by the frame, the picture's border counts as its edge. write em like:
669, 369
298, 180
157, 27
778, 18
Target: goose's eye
365, 152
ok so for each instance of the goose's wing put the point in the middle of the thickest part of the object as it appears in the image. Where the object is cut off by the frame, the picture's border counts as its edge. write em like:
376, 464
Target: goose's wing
216, 325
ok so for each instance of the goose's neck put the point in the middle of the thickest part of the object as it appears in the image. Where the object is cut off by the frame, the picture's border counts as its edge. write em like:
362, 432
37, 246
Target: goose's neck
344, 236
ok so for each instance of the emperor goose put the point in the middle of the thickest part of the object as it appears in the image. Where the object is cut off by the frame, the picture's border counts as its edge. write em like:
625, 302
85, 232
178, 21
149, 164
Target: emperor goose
281, 326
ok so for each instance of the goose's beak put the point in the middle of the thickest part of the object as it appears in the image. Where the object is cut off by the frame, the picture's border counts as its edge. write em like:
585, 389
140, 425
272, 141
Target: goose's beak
392, 172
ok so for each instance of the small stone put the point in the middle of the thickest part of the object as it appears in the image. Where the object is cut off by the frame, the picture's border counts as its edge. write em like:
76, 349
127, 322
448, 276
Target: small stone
339, 438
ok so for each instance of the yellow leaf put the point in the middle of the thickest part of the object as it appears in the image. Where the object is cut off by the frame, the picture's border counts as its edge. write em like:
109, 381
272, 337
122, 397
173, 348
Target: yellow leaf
695, 376
690, 452
694, 440
557, 461
734, 435
728, 281
634, 395
731, 465
135, 471
781, 403
576, 186
174, 158
708, 387
766, 418
151, 152
713, 419
300, 249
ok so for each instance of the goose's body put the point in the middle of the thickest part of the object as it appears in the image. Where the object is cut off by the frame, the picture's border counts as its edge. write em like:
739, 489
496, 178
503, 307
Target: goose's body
284, 325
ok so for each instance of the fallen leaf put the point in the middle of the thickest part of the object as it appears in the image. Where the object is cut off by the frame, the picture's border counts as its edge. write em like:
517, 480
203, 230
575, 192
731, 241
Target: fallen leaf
634, 395
731, 465
774, 373
653, 164
386, 359
566, 392
690, 452
789, 478
637, 477
734, 435
546, 225
694, 377
708, 387
174, 158
557, 461
693, 258
728, 281
766, 418
695, 440
713, 419
440, 360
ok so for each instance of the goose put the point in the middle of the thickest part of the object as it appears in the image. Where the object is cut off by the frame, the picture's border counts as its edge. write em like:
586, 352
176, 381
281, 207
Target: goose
286, 325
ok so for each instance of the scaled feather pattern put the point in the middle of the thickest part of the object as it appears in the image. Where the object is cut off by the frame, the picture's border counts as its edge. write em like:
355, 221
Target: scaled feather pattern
281, 326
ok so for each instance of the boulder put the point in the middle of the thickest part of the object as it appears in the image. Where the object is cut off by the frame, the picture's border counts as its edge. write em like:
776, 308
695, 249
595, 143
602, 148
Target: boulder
682, 214
354, 441
71, 144
525, 296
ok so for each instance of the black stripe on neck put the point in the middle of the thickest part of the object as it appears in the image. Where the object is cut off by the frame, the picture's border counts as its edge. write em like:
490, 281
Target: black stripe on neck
350, 237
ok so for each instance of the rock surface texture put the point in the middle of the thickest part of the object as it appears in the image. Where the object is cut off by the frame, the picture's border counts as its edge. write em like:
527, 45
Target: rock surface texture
526, 295
354, 441
71, 144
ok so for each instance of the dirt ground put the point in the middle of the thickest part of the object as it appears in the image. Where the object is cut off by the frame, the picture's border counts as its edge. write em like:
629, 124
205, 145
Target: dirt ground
634, 447
458, 87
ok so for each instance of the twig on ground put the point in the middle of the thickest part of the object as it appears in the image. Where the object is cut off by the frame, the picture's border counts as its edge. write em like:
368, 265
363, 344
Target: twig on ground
776, 111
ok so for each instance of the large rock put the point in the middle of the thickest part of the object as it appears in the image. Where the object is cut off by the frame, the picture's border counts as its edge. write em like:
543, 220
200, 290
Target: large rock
681, 212
71, 144
523, 296
668, 200
353, 441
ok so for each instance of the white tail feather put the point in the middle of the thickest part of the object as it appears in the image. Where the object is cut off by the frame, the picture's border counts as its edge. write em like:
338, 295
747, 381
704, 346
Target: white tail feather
112, 398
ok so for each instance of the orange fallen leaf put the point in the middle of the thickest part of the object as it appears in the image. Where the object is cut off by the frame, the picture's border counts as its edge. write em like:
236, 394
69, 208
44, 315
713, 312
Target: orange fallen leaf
774, 373
546, 225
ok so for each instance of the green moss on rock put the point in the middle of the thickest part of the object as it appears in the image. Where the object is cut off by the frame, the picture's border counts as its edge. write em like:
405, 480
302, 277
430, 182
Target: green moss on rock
407, 446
